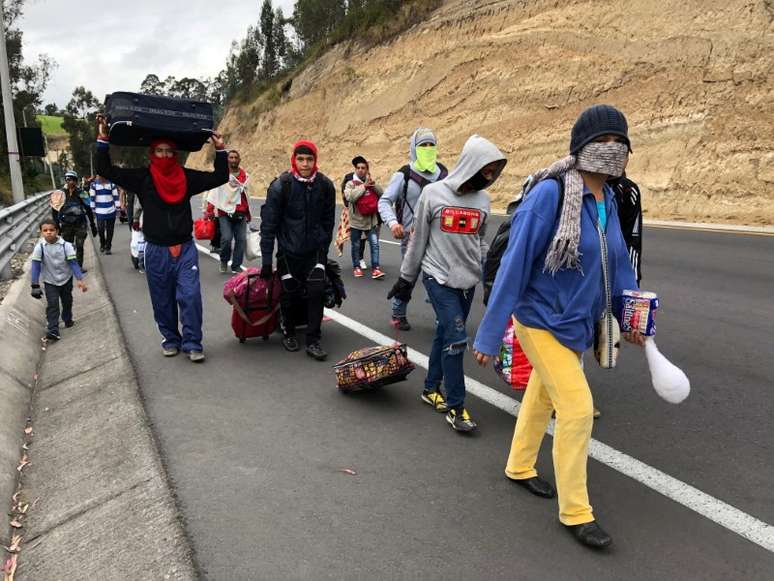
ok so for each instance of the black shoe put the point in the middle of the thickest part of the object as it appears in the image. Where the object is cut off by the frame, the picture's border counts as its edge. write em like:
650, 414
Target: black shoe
290, 343
69, 324
401, 323
316, 352
591, 534
108, 251
52, 336
536, 486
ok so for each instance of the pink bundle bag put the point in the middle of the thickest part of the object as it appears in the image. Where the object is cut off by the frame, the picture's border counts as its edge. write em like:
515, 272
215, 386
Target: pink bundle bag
511, 364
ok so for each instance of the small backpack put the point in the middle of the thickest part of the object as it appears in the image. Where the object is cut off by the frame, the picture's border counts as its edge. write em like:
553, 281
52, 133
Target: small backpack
368, 203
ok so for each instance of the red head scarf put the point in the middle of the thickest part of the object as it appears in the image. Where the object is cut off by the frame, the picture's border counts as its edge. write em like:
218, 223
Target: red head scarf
313, 148
168, 176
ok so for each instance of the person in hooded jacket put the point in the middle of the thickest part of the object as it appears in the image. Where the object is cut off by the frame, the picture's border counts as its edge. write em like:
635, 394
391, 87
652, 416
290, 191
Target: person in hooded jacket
401, 197
448, 247
165, 189
71, 211
299, 214
561, 251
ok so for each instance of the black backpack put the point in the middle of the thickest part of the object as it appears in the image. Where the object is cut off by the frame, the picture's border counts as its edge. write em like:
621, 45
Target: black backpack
500, 241
420, 180
347, 178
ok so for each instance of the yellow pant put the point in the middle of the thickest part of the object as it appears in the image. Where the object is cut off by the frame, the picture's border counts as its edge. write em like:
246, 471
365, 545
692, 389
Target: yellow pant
557, 382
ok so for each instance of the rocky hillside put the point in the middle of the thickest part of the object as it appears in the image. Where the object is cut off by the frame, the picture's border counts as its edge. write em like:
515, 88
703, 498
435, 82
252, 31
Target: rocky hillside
694, 78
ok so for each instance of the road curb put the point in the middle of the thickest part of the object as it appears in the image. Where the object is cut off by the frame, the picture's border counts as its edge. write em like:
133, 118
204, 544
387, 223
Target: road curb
19, 357
102, 505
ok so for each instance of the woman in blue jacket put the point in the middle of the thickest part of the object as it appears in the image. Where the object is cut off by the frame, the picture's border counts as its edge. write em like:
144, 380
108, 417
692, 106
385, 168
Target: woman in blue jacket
551, 280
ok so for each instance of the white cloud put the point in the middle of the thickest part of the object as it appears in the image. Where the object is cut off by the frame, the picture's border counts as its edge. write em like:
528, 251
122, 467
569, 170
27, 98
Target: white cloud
111, 46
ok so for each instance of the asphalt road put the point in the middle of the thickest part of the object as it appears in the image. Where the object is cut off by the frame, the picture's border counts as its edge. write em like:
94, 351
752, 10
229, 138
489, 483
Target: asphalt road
256, 439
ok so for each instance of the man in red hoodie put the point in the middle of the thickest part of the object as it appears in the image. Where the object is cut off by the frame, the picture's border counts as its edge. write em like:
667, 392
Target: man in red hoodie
165, 189
299, 214
233, 213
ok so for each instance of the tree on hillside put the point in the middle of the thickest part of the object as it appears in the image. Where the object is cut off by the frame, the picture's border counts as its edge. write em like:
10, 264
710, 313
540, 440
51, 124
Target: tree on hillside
269, 64
79, 120
152, 85
51, 109
188, 88
315, 20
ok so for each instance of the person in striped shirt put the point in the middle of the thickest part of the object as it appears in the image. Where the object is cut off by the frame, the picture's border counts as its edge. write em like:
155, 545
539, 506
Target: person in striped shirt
104, 203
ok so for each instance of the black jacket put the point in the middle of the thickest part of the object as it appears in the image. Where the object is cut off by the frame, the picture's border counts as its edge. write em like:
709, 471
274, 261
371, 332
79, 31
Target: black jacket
163, 224
74, 211
300, 216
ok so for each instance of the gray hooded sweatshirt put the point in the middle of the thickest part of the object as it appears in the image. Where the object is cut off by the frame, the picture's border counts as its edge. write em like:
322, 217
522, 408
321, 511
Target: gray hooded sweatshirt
394, 190
448, 241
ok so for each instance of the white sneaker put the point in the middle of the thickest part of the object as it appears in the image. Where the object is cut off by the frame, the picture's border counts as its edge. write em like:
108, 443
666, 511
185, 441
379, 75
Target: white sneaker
363, 265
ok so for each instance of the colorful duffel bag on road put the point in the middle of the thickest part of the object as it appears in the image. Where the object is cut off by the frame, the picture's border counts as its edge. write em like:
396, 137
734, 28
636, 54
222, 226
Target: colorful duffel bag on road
511, 364
373, 367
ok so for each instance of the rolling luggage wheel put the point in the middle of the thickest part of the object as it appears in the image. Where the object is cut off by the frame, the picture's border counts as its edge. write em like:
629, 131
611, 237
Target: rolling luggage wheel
241, 339
265, 337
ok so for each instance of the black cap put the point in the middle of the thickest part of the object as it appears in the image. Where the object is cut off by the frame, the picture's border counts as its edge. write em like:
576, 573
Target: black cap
596, 121
358, 159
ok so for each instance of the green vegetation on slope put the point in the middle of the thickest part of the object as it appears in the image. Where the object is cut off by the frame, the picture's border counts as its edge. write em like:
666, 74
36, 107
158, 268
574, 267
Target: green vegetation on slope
51, 124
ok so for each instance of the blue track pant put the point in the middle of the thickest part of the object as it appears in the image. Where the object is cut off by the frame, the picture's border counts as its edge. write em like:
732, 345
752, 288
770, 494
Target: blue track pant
173, 283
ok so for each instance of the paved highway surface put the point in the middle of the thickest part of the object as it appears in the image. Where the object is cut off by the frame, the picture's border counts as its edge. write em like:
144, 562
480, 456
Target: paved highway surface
256, 439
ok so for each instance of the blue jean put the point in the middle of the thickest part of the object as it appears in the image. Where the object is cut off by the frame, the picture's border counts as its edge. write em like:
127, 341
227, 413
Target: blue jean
451, 307
400, 307
55, 294
173, 284
373, 243
236, 230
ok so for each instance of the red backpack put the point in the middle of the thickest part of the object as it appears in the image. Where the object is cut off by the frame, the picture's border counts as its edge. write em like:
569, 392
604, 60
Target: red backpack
368, 203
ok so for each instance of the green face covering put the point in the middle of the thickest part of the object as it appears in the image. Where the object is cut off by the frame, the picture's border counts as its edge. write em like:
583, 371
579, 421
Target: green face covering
426, 157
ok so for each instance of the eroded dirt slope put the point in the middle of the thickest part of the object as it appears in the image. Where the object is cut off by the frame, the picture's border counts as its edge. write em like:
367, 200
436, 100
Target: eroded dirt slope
693, 77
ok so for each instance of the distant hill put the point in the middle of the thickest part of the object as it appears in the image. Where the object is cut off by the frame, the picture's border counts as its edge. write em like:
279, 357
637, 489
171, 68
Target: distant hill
694, 77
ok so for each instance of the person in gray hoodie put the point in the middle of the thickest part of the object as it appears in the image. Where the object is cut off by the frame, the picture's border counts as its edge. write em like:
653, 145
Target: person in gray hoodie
448, 247
400, 199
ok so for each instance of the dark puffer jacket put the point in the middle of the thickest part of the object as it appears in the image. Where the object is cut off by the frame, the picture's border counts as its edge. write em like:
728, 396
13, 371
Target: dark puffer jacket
300, 216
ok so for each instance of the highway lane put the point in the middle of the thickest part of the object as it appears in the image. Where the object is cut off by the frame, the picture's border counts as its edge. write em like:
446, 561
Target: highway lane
255, 438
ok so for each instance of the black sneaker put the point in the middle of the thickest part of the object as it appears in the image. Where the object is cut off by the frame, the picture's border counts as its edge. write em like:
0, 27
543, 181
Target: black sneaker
401, 323
53, 336
69, 324
435, 399
108, 251
290, 343
460, 420
316, 352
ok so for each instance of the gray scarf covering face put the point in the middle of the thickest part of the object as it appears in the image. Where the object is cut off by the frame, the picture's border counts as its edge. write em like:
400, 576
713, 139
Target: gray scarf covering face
604, 158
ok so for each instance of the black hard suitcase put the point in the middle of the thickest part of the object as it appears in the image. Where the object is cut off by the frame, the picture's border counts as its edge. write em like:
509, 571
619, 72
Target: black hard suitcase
136, 119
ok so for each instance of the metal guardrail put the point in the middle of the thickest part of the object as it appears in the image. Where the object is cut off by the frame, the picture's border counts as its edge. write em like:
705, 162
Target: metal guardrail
17, 223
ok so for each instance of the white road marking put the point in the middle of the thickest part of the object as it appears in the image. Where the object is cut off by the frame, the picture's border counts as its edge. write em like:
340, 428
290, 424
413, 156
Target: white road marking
714, 509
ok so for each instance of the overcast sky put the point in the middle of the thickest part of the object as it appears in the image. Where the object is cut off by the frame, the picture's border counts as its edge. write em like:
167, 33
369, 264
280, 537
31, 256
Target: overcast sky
111, 45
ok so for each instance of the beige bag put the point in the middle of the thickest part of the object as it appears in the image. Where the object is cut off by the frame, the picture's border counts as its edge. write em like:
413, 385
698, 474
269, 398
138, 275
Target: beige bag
607, 332
253, 245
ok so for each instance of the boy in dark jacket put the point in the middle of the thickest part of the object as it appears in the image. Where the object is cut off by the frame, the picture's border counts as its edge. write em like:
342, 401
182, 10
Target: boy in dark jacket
171, 261
299, 214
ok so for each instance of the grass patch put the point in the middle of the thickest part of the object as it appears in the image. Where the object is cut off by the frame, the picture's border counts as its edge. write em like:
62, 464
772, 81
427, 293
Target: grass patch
51, 124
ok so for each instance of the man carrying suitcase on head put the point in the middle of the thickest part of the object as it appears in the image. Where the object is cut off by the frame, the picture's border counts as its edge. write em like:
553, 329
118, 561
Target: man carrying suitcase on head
299, 214
171, 260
